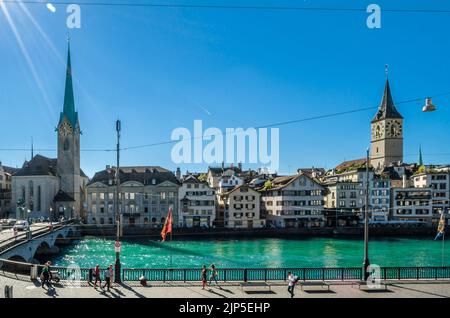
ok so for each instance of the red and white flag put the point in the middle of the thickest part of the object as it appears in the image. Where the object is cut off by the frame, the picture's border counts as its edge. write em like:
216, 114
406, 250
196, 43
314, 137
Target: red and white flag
167, 228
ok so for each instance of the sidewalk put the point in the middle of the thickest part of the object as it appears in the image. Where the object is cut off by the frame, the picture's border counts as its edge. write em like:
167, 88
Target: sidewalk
24, 288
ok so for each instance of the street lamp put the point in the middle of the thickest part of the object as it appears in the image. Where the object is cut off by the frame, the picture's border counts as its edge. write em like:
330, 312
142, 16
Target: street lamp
429, 107
366, 262
117, 278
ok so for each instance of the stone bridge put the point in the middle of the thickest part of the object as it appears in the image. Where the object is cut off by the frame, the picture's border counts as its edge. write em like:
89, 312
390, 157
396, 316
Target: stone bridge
43, 242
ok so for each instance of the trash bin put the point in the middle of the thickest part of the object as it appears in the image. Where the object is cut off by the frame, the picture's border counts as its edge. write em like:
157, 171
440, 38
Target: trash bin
143, 281
33, 272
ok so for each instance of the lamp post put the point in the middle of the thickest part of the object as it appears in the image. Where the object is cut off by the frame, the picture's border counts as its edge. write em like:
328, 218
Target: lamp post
117, 278
366, 262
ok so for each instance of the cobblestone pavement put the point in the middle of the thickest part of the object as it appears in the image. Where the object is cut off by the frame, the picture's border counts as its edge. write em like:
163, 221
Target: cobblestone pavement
24, 288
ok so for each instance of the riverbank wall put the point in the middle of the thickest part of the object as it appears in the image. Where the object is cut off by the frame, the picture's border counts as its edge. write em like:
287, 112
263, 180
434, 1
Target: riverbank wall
293, 233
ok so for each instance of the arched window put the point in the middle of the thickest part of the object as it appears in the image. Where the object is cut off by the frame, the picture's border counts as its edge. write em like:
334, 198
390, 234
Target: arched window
30, 195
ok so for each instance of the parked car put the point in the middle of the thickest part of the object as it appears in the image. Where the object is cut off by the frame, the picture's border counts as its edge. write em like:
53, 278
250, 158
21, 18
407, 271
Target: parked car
22, 225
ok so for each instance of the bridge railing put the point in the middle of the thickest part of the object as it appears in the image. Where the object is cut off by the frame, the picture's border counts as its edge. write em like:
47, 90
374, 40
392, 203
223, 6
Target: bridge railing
25, 237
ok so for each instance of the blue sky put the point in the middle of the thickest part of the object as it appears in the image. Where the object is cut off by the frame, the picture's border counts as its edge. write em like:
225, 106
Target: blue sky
161, 68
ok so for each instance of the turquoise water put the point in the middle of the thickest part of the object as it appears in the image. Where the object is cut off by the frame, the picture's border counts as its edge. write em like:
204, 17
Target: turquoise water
270, 252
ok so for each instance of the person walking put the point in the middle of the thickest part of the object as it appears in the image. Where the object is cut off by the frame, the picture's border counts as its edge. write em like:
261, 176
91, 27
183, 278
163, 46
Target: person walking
214, 275
292, 281
97, 277
204, 275
108, 274
46, 275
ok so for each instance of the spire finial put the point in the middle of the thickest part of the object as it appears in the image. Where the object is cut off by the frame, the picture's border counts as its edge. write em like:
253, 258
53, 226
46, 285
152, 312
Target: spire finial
32, 148
386, 70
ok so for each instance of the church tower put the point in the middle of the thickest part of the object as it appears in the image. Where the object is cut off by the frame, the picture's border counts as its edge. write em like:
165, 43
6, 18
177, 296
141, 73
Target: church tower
387, 133
68, 163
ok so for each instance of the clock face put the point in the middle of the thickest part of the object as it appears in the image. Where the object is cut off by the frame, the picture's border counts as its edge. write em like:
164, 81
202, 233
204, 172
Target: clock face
394, 129
65, 129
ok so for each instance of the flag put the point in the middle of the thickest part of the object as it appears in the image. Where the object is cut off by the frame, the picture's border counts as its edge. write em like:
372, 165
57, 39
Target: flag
441, 226
167, 228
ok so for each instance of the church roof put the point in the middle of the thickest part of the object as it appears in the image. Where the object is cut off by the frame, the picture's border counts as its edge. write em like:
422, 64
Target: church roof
69, 102
387, 108
40, 166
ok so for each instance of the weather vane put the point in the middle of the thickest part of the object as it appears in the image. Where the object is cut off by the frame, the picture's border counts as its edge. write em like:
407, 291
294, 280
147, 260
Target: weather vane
386, 70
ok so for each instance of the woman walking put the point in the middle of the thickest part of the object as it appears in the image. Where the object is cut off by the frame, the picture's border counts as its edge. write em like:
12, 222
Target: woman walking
97, 277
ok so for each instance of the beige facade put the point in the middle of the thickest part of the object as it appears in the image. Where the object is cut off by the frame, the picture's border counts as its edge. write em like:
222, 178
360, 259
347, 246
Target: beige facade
242, 208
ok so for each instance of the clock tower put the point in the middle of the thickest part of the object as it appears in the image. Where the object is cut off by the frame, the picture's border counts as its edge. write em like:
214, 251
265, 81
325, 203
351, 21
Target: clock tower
68, 162
387, 133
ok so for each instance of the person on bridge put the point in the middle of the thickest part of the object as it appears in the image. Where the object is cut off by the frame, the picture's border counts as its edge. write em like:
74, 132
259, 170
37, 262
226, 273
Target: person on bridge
292, 281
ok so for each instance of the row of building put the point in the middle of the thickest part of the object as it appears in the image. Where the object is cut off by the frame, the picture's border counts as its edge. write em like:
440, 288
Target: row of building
229, 197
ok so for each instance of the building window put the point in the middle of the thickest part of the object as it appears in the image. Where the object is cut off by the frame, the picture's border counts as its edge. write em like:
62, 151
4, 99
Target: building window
38, 202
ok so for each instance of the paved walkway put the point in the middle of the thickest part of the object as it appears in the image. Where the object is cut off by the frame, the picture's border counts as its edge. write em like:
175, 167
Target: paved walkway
24, 288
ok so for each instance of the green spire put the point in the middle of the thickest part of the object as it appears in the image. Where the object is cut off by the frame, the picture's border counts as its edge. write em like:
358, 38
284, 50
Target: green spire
420, 156
69, 102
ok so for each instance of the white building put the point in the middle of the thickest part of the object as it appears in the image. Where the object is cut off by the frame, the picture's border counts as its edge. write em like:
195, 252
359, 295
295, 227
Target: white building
294, 201
241, 207
412, 204
439, 183
197, 206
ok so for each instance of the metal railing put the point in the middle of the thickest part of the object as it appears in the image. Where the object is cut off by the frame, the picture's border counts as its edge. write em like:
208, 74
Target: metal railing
25, 236
281, 274
238, 274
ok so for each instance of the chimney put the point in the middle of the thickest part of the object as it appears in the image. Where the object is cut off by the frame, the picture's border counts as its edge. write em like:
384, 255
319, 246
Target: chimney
404, 181
108, 167
178, 174
240, 166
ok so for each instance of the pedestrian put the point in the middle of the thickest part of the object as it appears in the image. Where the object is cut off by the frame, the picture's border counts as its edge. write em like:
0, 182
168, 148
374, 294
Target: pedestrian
292, 281
97, 277
46, 275
108, 274
214, 275
204, 274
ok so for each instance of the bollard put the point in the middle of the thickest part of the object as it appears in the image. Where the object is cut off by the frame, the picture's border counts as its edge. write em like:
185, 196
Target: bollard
33, 272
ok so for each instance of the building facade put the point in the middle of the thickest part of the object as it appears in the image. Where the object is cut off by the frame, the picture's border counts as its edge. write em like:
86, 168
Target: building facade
5, 191
146, 193
241, 207
294, 201
197, 206
439, 183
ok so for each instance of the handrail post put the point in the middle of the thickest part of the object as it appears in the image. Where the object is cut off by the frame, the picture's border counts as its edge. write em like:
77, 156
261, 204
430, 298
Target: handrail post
417, 273
245, 275
265, 275
399, 275
185, 275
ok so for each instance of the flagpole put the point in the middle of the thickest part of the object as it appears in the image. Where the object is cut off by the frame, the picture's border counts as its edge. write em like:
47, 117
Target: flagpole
170, 249
443, 247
